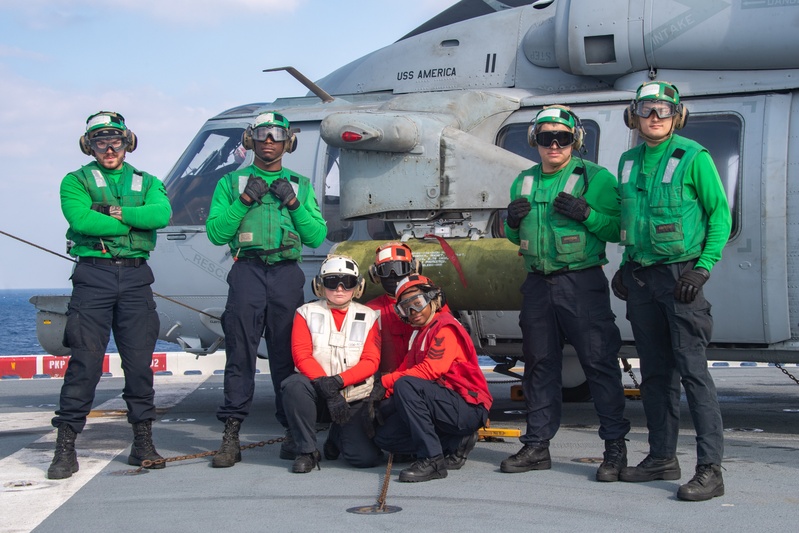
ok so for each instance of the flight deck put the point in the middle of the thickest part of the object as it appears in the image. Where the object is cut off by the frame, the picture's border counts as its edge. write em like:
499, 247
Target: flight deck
760, 407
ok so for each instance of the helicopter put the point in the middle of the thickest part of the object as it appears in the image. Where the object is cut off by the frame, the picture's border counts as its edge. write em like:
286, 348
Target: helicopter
419, 141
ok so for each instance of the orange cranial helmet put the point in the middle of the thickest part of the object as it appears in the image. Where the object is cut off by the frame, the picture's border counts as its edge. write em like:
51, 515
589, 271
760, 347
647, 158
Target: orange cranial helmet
393, 259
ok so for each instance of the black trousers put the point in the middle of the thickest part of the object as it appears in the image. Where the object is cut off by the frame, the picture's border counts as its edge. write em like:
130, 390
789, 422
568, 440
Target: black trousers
106, 298
426, 419
304, 407
261, 301
571, 307
671, 338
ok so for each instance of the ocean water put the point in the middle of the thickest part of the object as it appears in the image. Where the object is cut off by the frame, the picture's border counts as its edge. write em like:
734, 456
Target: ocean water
18, 324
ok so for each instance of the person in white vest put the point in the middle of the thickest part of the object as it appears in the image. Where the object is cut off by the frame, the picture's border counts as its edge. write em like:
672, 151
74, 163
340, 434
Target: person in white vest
335, 343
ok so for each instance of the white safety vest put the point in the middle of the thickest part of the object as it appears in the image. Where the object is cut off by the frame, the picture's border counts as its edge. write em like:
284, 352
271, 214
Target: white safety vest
337, 351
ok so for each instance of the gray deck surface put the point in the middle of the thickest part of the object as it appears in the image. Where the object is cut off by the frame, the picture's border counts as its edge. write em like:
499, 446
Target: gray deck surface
760, 407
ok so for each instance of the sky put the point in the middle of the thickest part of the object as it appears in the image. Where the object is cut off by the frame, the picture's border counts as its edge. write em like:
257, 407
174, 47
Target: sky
166, 66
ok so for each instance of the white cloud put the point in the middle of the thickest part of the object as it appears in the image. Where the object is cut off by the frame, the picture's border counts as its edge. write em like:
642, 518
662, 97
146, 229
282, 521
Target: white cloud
39, 134
41, 14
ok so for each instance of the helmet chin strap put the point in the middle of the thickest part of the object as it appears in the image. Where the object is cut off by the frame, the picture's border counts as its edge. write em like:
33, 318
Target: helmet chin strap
657, 140
338, 306
434, 310
268, 162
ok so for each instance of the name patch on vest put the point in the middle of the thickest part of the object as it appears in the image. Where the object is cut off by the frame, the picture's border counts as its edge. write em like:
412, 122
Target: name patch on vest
666, 228
136, 184
524, 244
570, 239
245, 237
337, 339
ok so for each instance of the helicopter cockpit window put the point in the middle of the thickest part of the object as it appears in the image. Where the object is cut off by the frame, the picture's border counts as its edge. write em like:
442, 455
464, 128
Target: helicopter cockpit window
190, 185
337, 230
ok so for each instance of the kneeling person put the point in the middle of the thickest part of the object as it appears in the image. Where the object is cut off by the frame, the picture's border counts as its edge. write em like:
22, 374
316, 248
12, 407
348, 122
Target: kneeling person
439, 397
335, 343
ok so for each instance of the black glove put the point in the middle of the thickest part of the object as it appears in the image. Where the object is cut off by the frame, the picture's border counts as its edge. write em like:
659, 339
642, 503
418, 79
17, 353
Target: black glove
688, 285
283, 191
328, 386
339, 409
572, 207
517, 210
378, 393
256, 189
618, 286
104, 209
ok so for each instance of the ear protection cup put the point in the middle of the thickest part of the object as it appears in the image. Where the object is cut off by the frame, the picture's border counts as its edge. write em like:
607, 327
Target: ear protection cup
317, 287
579, 131
682, 117
442, 298
246, 139
579, 134
131, 140
291, 145
630, 118
373, 277
85, 147
359, 289
248, 144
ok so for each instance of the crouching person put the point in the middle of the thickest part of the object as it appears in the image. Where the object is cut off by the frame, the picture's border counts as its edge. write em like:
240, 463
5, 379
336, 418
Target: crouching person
335, 343
438, 397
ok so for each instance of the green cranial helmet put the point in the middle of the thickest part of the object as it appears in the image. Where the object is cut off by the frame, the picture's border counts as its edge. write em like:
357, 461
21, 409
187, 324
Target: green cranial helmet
658, 90
271, 119
105, 123
556, 114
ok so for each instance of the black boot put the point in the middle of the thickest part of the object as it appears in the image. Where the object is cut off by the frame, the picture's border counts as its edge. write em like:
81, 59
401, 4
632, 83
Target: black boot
305, 462
230, 451
331, 450
425, 470
615, 459
707, 483
652, 468
143, 448
288, 449
457, 459
65, 461
526, 459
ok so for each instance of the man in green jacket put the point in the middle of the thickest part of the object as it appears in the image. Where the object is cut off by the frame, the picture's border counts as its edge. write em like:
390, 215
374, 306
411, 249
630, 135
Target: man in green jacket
265, 213
562, 213
675, 221
113, 211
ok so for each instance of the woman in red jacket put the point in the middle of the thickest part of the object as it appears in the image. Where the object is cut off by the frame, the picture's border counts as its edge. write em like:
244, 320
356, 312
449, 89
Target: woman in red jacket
438, 397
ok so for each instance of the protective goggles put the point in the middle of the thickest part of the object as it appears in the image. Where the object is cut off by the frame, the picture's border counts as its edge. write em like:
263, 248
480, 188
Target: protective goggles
562, 138
417, 302
102, 144
644, 108
399, 269
347, 281
278, 134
